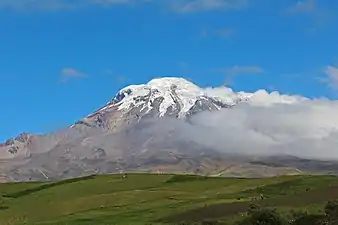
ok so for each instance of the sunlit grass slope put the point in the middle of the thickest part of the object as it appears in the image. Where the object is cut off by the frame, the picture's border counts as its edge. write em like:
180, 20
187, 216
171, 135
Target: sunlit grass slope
155, 199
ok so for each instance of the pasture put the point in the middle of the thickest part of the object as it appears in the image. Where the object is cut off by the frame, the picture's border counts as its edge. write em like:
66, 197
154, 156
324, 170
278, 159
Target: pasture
139, 199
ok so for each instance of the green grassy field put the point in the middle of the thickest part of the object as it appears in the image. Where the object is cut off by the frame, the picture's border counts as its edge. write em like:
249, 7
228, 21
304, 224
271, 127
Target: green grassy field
157, 199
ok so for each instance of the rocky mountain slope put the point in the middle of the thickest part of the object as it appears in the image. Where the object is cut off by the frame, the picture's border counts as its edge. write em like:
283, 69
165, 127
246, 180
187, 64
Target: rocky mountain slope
141, 129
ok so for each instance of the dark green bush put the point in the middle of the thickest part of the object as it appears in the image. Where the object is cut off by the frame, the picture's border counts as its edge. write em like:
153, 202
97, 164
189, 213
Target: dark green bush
312, 219
331, 212
258, 216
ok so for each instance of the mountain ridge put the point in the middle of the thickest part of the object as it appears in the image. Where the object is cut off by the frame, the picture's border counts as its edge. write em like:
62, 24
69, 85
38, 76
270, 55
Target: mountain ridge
143, 128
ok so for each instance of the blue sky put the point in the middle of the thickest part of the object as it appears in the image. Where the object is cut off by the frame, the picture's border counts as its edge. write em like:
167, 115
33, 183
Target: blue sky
61, 60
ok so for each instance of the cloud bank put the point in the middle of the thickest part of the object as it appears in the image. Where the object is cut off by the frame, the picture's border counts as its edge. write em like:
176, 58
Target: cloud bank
268, 124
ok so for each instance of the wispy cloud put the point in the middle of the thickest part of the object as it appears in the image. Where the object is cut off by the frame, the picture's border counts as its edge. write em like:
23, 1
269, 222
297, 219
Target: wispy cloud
184, 66
68, 73
37, 5
49, 5
181, 6
237, 70
222, 32
189, 6
108, 72
319, 14
305, 6
331, 78
121, 78
243, 70
107, 2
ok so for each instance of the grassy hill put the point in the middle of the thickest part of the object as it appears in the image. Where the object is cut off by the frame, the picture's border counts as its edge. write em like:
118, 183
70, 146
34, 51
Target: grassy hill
156, 199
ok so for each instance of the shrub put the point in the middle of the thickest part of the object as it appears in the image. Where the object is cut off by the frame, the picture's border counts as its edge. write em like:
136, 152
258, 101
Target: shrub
331, 212
311, 219
257, 216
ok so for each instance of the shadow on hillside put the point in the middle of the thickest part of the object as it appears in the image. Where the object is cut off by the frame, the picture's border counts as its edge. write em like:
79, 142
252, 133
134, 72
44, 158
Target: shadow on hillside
229, 209
45, 186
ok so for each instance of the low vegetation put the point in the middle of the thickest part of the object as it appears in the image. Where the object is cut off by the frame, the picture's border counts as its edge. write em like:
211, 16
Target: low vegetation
137, 199
257, 216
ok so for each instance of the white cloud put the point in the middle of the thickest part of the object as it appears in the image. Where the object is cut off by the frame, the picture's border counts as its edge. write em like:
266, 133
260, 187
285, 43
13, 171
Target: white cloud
225, 94
67, 73
306, 129
269, 124
332, 76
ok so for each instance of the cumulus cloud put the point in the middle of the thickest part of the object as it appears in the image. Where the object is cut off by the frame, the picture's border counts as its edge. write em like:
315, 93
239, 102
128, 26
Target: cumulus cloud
307, 129
67, 73
268, 124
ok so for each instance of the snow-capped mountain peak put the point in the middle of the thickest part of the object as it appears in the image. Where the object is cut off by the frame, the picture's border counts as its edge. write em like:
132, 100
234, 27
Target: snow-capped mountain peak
167, 96
171, 89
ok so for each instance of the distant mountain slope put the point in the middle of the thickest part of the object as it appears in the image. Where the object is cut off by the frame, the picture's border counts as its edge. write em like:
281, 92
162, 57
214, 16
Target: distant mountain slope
141, 129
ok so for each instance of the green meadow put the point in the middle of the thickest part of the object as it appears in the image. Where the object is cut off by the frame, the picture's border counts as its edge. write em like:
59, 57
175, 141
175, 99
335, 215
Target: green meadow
139, 199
